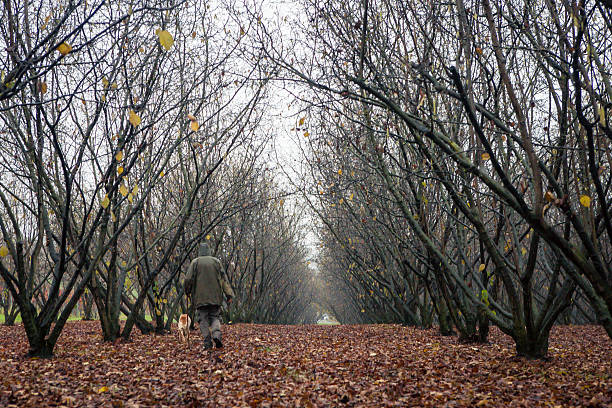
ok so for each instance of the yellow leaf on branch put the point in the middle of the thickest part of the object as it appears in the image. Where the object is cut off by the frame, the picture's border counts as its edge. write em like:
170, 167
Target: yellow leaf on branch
123, 190
134, 118
105, 201
64, 48
585, 200
194, 125
165, 39
481, 267
3, 251
485, 156
302, 120
119, 155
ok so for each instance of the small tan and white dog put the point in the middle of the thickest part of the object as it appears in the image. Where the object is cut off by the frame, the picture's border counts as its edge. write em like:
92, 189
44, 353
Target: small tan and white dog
184, 322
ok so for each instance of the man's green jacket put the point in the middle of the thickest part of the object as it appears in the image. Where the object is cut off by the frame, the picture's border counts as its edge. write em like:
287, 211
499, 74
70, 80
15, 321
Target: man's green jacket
205, 279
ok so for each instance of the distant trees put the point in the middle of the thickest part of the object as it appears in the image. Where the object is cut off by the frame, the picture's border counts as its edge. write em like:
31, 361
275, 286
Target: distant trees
266, 260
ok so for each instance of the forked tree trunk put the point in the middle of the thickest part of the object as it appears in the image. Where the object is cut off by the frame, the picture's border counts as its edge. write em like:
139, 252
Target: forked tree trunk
40, 346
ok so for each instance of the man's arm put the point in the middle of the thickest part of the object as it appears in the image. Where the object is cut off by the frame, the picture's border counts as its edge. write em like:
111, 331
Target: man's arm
225, 286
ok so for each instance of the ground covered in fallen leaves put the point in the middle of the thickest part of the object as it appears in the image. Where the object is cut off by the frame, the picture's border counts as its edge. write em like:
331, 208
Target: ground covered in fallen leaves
264, 365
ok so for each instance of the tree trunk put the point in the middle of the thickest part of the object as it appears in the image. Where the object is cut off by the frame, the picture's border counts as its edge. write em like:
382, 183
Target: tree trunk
467, 333
41, 348
88, 313
110, 326
532, 348
483, 327
426, 312
446, 325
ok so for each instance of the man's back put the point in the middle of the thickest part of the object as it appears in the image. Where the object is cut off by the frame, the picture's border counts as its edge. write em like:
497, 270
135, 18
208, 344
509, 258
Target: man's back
206, 272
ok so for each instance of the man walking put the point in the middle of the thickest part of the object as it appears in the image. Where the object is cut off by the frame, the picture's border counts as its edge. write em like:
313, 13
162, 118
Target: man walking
206, 280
